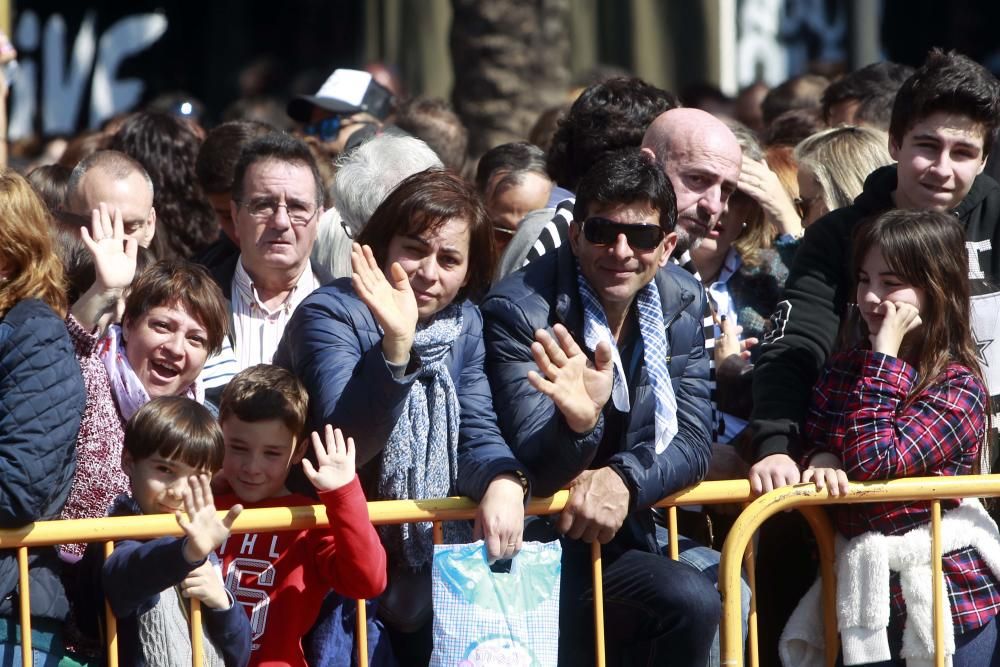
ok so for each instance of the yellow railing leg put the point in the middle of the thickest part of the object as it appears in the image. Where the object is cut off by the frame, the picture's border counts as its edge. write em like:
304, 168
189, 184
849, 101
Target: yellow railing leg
937, 590
595, 558
362, 634
110, 622
675, 552
22, 575
749, 566
196, 643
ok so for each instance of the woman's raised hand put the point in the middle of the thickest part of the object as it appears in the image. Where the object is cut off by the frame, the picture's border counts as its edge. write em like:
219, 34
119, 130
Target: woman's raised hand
390, 301
114, 268
114, 253
760, 183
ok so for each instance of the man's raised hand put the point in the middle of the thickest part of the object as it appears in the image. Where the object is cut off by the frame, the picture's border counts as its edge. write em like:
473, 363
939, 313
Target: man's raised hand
578, 388
114, 253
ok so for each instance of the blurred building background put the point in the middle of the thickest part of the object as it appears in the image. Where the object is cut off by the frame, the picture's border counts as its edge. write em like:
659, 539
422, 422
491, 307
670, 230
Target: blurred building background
500, 62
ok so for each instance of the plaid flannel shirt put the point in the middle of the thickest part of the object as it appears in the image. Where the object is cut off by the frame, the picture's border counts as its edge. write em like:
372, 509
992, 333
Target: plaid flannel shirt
857, 413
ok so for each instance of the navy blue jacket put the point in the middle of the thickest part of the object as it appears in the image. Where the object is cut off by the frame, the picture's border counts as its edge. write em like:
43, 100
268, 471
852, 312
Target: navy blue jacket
131, 580
546, 293
333, 345
41, 402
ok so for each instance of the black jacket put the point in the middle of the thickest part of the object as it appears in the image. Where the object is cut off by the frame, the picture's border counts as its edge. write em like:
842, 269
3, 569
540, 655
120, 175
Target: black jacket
817, 292
546, 292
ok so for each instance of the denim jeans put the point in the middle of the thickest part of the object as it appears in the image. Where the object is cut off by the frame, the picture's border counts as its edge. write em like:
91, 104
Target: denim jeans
656, 611
706, 561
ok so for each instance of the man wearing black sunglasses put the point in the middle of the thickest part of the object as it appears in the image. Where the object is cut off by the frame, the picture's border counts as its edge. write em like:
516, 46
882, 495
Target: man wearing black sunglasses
596, 358
349, 101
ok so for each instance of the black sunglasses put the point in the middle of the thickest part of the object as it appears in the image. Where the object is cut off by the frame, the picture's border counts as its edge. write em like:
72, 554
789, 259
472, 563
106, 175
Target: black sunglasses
641, 236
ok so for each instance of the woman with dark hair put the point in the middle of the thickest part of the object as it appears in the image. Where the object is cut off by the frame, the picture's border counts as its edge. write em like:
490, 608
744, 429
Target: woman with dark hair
41, 399
173, 317
394, 357
167, 147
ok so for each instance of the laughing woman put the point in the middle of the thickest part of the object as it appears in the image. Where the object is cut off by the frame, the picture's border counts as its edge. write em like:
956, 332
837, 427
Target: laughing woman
174, 317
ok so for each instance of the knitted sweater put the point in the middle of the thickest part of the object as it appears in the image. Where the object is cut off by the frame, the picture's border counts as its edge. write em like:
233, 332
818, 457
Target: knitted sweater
99, 478
863, 571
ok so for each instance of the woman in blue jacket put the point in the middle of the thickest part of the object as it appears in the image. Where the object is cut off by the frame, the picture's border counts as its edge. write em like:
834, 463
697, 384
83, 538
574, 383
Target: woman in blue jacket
394, 357
41, 401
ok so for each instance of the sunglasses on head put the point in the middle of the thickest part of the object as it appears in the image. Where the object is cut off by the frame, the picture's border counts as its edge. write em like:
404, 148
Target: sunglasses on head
641, 236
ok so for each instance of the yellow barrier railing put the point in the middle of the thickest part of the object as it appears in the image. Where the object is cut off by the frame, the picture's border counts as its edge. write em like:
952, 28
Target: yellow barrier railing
806, 499
108, 530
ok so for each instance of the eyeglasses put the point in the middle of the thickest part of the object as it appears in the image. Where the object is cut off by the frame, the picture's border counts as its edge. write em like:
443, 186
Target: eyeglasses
328, 128
502, 234
641, 236
803, 206
263, 209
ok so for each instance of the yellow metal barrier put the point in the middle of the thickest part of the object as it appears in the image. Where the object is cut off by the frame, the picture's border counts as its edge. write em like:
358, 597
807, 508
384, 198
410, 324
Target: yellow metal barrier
108, 530
806, 499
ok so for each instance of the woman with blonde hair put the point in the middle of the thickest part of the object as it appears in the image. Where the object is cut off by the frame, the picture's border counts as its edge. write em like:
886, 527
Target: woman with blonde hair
41, 399
833, 166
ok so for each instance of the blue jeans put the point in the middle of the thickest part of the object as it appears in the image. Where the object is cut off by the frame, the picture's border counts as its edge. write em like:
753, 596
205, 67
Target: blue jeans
656, 611
706, 561
972, 649
47, 649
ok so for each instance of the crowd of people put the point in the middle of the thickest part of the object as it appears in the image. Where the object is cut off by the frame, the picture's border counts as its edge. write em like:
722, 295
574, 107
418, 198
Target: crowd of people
794, 286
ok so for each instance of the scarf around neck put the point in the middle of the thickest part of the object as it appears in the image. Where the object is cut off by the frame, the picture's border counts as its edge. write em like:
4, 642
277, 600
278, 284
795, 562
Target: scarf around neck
128, 390
649, 312
420, 459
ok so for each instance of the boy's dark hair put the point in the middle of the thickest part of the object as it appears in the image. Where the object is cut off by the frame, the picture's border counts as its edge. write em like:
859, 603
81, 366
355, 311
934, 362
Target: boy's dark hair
608, 116
175, 427
282, 148
221, 150
872, 85
625, 177
264, 392
952, 83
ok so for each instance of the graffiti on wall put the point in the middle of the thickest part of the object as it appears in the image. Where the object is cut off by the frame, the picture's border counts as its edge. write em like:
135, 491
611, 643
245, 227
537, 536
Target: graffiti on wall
777, 39
58, 70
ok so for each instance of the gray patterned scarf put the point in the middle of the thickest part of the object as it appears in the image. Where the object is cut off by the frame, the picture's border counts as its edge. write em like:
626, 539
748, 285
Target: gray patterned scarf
420, 459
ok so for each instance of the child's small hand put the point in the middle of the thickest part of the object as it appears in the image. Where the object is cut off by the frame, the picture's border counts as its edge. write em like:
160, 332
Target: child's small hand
826, 471
204, 583
335, 461
205, 531
893, 321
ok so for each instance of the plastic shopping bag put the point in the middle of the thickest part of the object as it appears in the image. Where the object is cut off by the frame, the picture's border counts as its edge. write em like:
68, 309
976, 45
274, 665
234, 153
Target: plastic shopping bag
484, 618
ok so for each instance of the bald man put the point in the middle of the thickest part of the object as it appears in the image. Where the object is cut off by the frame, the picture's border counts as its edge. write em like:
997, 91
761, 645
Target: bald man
701, 157
115, 179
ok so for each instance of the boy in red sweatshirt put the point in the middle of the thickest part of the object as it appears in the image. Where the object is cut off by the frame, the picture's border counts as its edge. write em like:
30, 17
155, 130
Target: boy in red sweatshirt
282, 577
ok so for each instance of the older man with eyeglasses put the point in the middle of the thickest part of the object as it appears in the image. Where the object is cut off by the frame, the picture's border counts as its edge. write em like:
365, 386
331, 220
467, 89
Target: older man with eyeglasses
277, 199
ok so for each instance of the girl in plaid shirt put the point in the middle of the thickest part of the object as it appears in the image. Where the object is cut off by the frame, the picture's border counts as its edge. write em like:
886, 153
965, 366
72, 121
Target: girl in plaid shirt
908, 401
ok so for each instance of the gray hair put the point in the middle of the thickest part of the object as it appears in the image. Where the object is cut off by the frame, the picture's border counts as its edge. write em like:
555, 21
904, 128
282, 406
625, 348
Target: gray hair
841, 159
116, 164
366, 175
